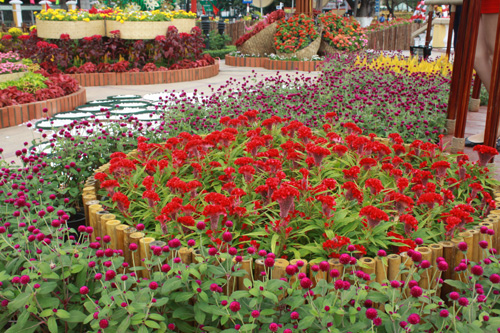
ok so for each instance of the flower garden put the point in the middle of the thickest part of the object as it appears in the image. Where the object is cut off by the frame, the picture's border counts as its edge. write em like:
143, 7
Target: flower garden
293, 203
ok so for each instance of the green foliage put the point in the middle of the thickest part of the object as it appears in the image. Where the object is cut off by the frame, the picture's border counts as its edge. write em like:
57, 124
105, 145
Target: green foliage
222, 52
31, 82
218, 41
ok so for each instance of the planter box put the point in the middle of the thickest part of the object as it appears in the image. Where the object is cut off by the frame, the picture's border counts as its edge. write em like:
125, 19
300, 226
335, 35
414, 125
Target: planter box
75, 29
184, 25
11, 76
147, 30
304, 66
137, 29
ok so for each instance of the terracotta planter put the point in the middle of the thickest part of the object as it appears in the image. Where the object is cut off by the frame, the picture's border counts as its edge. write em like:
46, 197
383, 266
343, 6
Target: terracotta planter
75, 29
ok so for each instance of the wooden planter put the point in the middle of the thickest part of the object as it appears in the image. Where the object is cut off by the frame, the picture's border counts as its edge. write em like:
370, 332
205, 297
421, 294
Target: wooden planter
137, 29
184, 25
75, 29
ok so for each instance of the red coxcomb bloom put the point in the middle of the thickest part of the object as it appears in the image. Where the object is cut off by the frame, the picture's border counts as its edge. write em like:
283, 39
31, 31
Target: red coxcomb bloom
485, 153
374, 215
284, 196
122, 201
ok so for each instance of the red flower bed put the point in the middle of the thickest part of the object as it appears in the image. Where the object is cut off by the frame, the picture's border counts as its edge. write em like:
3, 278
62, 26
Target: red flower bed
58, 85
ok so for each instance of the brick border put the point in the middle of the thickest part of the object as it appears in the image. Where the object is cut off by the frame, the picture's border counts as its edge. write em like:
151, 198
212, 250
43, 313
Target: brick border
18, 114
303, 66
141, 78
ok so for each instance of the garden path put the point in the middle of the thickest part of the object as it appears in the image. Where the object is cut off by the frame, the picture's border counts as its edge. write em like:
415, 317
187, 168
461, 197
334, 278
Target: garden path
12, 138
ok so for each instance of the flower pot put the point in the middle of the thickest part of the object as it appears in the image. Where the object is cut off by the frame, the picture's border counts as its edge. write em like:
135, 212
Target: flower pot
138, 29
11, 76
75, 29
184, 24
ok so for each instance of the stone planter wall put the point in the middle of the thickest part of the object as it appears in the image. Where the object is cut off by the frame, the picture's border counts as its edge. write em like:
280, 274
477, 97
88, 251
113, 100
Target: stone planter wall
304, 66
140, 78
18, 114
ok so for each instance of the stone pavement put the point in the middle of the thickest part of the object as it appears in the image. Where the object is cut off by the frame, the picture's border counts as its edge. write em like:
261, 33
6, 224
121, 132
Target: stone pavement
13, 138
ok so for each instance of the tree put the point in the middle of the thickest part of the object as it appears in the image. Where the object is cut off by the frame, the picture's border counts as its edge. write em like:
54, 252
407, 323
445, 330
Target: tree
366, 7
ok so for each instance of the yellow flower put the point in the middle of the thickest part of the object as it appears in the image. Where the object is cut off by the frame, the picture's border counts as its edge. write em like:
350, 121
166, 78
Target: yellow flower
121, 21
86, 19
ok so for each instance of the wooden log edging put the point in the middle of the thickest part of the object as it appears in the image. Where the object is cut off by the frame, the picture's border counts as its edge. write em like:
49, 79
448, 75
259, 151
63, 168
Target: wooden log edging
303, 66
141, 78
392, 39
14, 115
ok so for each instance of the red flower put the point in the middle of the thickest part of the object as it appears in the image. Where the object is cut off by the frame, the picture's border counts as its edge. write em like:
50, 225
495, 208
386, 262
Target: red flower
317, 152
485, 153
410, 222
352, 173
152, 197
213, 212
122, 202
374, 215
353, 192
375, 185
284, 195
430, 199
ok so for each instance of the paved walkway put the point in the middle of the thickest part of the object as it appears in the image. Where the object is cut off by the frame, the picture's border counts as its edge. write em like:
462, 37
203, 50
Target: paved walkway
13, 138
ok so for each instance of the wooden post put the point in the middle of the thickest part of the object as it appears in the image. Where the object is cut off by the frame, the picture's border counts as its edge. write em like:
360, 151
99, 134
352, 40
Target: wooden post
466, 47
492, 115
429, 26
453, 8
476, 88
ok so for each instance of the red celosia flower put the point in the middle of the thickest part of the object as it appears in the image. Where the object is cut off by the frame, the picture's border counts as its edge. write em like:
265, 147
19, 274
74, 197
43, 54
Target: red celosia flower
410, 222
187, 221
327, 204
122, 202
476, 187
148, 182
284, 196
100, 176
352, 192
485, 153
375, 185
407, 244
351, 173
177, 186
430, 199
367, 162
334, 246
110, 185
172, 208
247, 171
374, 215
152, 197
213, 212
440, 167
317, 152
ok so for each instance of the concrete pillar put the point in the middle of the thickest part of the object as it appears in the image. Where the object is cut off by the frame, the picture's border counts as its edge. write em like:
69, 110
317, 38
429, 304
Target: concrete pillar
44, 4
71, 4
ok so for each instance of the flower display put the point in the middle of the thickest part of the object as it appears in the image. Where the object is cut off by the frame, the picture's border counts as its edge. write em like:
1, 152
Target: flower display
144, 16
182, 14
268, 20
10, 56
295, 33
378, 100
12, 67
73, 15
276, 183
342, 33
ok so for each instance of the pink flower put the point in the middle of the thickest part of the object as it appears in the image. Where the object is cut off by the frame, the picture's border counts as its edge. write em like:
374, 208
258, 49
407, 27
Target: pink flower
235, 306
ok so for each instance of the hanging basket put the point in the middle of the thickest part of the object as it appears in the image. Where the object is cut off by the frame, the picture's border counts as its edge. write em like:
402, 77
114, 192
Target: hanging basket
262, 43
326, 49
75, 29
305, 53
138, 29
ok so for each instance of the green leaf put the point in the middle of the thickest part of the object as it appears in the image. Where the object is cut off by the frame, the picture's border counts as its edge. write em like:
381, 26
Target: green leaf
46, 313
172, 284
51, 323
142, 329
156, 316
76, 269
63, 314
47, 288
76, 316
19, 301
457, 284
152, 324
306, 322
270, 295
183, 313
123, 328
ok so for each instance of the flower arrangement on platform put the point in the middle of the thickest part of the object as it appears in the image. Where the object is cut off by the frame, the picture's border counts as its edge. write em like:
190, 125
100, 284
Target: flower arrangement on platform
342, 33
144, 16
268, 20
73, 15
277, 184
295, 33
12, 67
182, 14
98, 54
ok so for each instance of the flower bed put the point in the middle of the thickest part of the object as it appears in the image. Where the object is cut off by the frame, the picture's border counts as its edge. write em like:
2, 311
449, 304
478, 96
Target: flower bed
341, 33
295, 191
181, 288
204, 71
99, 54
374, 94
296, 34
